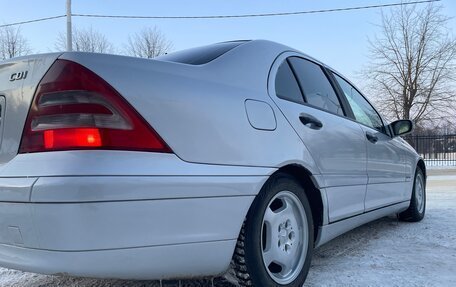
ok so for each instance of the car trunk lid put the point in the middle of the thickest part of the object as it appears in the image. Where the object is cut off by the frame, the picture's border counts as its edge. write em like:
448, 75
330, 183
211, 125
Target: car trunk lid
19, 78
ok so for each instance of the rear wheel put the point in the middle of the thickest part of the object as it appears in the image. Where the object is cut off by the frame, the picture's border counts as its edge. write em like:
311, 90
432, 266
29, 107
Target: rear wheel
276, 241
417, 207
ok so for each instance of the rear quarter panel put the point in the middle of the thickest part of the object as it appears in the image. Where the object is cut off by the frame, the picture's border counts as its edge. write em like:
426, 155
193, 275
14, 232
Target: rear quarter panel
200, 110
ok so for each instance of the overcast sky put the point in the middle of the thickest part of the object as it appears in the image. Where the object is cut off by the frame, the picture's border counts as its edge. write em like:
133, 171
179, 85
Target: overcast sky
338, 39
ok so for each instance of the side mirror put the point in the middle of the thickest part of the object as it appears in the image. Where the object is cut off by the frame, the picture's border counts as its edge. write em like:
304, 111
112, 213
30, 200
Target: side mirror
401, 127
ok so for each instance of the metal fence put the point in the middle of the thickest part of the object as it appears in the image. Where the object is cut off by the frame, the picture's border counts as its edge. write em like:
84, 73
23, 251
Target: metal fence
437, 150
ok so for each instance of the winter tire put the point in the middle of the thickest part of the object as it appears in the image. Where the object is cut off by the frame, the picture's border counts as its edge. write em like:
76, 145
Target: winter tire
417, 207
276, 241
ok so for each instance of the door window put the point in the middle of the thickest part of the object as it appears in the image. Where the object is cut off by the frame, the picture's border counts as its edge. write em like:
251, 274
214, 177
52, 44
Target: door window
286, 86
315, 86
362, 110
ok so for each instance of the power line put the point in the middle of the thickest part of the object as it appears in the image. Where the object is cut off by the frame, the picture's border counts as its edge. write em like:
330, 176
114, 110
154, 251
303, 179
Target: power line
226, 16
256, 15
32, 21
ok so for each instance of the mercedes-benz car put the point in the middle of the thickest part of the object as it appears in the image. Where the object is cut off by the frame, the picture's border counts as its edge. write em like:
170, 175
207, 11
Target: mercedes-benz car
235, 158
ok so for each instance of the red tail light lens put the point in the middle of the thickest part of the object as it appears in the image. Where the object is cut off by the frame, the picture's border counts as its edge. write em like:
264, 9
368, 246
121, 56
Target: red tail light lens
74, 108
62, 138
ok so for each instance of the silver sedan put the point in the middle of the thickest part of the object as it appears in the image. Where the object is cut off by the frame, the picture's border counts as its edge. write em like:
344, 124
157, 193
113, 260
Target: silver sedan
237, 158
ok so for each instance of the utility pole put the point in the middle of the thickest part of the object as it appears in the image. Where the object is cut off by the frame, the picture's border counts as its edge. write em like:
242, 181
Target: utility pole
69, 32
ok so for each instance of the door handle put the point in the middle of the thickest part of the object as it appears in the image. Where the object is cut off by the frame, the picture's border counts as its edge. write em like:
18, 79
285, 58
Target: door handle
371, 137
310, 121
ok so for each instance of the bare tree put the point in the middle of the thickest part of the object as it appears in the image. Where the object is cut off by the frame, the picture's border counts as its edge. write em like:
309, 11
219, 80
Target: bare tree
12, 43
149, 43
413, 67
86, 40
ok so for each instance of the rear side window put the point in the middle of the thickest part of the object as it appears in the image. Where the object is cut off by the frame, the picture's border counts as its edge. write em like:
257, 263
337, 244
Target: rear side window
316, 87
200, 55
286, 86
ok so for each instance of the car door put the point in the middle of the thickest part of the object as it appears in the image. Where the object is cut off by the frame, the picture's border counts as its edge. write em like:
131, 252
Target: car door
307, 99
385, 155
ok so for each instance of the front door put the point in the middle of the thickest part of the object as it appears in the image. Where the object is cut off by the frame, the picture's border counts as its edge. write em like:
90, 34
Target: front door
385, 157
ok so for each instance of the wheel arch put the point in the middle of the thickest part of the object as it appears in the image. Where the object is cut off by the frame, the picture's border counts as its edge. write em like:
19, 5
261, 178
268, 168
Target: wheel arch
422, 166
312, 190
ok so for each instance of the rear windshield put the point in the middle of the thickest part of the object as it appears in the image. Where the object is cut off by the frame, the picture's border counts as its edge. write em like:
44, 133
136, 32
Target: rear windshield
200, 55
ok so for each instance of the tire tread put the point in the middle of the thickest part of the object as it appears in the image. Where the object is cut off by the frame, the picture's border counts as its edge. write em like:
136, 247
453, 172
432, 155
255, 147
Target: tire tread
412, 214
238, 261
239, 273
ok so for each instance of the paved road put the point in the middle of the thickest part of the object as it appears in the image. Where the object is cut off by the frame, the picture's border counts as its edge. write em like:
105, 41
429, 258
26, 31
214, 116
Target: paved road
383, 253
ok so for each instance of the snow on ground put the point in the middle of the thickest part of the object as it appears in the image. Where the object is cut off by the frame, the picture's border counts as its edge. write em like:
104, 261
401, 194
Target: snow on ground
382, 253
391, 253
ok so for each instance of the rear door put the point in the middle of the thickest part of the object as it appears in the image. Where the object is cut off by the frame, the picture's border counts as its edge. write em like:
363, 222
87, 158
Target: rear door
306, 97
386, 162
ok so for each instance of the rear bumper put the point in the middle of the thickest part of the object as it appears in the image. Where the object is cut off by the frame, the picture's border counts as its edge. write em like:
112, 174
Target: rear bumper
131, 227
155, 262
136, 239
92, 226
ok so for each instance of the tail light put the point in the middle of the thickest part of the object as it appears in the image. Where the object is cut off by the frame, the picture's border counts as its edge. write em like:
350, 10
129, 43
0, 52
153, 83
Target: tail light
74, 108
